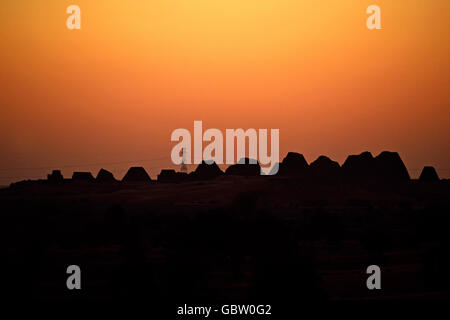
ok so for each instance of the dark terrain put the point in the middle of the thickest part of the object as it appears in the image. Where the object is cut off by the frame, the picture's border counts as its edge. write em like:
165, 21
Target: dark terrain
307, 233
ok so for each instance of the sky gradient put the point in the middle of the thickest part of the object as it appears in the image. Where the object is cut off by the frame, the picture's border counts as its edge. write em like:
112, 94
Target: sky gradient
109, 95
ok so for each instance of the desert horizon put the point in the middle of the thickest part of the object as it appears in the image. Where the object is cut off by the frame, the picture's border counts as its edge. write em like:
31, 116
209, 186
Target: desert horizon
114, 90
67, 171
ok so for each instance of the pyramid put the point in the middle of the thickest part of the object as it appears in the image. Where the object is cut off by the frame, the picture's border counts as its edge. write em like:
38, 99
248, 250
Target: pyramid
360, 167
105, 176
429, 174
294, 164
136, 174
206, 170
323, 168
244, 168
55, 176
390, 167
82, 176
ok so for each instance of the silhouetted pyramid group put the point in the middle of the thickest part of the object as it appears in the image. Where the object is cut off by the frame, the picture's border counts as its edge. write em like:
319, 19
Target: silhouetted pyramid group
362, 168
387, 166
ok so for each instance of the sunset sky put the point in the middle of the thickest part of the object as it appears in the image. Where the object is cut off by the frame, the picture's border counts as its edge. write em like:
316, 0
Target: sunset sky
109, 95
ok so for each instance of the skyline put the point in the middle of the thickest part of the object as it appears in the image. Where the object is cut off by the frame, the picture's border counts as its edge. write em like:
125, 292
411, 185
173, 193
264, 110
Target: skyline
67, 173
115, 90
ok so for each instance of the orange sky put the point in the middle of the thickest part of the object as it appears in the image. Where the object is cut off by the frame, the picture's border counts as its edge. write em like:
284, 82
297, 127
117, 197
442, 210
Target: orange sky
112, 92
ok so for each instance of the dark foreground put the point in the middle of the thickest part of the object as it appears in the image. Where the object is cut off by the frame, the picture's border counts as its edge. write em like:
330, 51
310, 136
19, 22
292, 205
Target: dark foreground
232, 239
